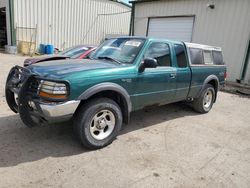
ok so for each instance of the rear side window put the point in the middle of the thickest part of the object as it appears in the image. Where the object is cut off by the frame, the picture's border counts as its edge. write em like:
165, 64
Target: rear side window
180, 55
159, 51
217, 57
207, 57
196, 56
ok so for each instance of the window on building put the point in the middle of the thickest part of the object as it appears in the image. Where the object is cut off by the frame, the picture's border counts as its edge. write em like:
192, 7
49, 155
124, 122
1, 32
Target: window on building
196, 56
159, 51
217, 58
180, 55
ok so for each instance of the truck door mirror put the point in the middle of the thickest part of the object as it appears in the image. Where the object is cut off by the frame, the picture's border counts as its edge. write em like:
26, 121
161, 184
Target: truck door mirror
148, 63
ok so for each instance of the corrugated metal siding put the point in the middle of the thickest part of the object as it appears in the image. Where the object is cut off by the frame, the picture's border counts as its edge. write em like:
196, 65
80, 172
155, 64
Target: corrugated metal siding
65, 23
228, 25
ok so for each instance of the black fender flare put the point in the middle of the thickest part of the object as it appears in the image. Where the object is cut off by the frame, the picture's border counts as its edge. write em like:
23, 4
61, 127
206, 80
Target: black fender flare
109, 86
206, 81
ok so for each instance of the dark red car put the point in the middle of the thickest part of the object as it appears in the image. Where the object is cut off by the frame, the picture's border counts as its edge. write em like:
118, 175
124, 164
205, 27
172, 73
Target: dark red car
76, 52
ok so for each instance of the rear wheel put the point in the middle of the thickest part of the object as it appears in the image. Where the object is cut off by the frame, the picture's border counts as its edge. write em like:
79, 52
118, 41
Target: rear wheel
98, 122
204, 103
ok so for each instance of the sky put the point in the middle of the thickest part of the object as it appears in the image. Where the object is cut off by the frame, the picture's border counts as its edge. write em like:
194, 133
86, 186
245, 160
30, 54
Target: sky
126, 1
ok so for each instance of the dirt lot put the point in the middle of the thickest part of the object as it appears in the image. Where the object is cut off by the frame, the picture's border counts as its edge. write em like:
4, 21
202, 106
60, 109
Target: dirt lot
170, 146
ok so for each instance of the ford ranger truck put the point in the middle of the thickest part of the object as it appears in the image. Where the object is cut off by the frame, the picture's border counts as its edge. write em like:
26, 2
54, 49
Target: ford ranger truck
123, 75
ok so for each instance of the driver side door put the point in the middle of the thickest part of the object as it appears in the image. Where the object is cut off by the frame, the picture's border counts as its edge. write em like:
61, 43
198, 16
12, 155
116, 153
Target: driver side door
156, 86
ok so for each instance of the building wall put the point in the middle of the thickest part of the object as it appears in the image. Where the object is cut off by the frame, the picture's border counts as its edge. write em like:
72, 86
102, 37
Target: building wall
65, 23
5, 3
227, 26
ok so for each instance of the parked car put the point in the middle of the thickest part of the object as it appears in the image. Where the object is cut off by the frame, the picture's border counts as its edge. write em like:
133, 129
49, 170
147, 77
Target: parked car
122, 75
76, 52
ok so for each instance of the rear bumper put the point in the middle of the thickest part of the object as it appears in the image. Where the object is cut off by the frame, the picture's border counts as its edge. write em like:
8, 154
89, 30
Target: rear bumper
221, 85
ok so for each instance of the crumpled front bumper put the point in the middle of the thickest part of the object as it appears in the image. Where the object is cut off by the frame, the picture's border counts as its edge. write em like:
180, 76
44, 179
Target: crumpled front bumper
57, 110
46, 112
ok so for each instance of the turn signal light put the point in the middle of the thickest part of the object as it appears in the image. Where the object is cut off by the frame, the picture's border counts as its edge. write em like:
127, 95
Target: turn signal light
53, 96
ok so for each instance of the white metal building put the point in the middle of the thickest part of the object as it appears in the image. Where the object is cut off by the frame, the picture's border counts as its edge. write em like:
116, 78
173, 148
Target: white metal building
64, 23
224, 23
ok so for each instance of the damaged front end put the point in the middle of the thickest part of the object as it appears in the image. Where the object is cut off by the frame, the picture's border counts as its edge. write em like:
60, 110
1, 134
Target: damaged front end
38, 100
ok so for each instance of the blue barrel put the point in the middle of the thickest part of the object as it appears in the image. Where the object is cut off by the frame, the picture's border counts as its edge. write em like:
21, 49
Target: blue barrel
49, 49
42, 49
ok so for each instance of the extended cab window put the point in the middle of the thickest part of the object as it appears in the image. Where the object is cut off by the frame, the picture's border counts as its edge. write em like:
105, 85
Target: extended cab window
159, 51
180, 55
196, 56
218, 59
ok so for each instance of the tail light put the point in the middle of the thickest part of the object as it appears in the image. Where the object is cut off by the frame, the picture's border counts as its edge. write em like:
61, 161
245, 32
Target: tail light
225, 75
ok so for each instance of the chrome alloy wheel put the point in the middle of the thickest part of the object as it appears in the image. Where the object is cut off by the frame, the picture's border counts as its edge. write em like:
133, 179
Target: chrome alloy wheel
208, 99
102, 124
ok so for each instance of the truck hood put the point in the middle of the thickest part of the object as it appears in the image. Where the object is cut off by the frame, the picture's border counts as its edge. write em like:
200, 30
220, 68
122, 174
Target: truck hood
62, 68
31, 61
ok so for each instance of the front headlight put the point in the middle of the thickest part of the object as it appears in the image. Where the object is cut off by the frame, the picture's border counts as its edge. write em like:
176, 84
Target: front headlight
53, 90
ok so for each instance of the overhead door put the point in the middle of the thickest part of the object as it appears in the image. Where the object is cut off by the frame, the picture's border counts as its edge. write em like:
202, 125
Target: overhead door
175, 28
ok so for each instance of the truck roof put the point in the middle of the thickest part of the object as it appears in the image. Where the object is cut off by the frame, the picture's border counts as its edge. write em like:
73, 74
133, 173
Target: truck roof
202, 46
188, 44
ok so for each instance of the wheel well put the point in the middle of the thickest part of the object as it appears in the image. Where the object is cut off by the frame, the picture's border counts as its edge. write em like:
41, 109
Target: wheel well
215, 85
117, 97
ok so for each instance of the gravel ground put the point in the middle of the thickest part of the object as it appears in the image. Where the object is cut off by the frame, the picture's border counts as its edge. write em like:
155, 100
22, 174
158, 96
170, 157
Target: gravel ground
169, 146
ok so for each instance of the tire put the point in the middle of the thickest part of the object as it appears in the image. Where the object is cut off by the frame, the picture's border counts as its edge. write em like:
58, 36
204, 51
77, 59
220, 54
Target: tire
10, 99
204, 103
97, 123
9, 95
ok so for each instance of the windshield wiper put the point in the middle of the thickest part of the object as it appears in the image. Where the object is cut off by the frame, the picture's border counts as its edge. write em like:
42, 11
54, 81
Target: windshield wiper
109, 58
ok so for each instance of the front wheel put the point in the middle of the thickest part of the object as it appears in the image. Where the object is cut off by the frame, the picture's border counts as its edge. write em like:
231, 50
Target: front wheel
204, 103
12, 100
98, 122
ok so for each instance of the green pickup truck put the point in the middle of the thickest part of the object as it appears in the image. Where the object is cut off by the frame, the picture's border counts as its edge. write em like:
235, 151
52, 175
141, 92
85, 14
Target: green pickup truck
123, 75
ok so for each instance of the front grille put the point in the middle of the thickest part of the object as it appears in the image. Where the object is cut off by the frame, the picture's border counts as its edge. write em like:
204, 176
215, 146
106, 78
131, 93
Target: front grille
18, 75
16, 78
21, 73
34, 85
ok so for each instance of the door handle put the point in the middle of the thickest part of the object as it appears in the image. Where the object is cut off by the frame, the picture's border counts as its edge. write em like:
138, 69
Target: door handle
172, 75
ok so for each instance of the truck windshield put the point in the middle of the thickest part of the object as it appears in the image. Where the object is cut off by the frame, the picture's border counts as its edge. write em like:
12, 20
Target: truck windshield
122, 50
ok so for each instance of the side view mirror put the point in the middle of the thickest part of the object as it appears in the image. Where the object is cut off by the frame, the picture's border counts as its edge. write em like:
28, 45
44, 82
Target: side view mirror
148, 63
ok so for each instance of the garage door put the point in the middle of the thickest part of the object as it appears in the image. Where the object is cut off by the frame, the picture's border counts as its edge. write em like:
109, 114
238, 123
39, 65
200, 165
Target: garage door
175, 28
